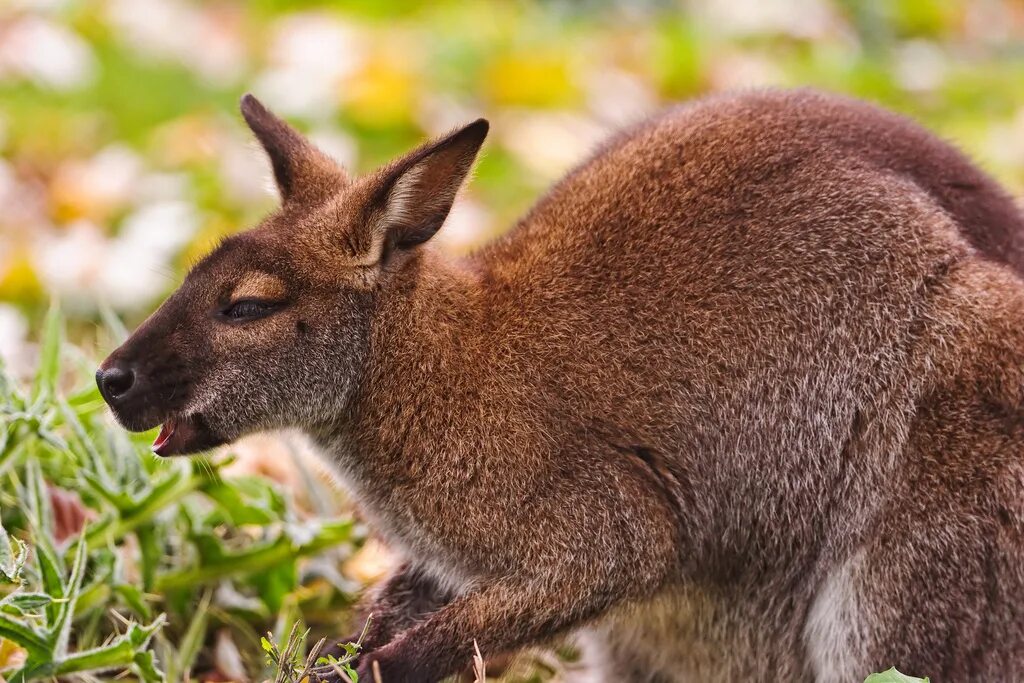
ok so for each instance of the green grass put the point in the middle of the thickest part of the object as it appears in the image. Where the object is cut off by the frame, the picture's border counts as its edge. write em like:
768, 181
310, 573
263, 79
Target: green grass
172, 551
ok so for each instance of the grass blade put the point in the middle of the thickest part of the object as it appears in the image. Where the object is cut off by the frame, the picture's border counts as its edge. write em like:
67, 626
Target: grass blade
192, 642
24, 635
49, 359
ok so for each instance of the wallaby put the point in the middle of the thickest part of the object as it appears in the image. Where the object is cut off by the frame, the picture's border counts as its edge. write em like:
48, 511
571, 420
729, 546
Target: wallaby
740, 398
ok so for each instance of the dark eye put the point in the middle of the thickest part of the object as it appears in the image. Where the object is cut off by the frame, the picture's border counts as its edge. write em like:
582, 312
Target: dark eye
248, 309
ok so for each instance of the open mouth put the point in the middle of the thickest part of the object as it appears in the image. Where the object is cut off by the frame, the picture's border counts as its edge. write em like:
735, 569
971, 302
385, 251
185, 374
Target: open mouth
183, 435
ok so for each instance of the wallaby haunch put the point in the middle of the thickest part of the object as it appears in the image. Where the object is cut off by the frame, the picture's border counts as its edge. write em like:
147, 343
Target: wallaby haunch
739, 399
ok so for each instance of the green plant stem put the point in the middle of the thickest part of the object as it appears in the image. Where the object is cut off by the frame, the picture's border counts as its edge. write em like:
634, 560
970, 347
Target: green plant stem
120, 527
255, 560
36, 644
118, 656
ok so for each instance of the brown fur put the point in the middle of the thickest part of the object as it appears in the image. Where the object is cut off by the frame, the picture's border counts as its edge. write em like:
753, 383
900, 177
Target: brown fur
739, 399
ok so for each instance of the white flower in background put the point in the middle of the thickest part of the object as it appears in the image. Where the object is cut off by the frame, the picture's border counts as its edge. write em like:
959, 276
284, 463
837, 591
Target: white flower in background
548, 143
154, 27
442, 113
224, 57
82, 266
8, 184
1005, 142
740, 70
162, 227
920, 66
100, 184
227, 659
24, 203
158, 187
206, 39
337, 145
317, 42
618, 97
132, 276
38, 5
13, 338
991, 23
468, 225
68, 262
310, 56
244, 170
46, 53
809, 19
289, 94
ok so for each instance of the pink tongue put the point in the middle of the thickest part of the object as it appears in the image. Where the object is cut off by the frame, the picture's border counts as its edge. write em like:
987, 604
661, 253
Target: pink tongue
166, 432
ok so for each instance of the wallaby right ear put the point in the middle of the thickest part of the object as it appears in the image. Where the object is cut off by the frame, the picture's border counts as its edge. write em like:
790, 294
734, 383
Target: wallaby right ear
302, 172
413, 195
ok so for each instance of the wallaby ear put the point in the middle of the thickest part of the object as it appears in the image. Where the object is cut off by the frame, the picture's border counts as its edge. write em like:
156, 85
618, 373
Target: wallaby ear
415, 193
302, 172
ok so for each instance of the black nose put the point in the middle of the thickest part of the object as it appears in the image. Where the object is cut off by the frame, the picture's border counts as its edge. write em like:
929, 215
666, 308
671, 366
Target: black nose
115, 381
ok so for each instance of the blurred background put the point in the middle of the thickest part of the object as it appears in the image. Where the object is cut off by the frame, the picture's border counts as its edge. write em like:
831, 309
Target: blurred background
123, 158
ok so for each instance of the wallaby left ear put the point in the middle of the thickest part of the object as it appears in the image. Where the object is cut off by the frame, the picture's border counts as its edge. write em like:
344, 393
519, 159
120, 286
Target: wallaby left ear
415, 193
303, 173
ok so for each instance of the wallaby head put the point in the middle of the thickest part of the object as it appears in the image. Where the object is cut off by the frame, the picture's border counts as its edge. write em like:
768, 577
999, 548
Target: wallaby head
270, 330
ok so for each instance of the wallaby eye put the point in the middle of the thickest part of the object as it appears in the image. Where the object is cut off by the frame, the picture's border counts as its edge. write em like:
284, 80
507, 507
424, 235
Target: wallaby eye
248, 309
